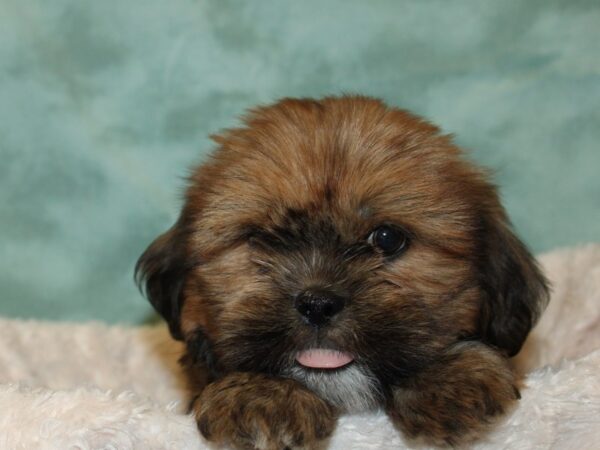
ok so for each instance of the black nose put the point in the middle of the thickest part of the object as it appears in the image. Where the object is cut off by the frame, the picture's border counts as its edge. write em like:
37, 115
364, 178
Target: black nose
318, 306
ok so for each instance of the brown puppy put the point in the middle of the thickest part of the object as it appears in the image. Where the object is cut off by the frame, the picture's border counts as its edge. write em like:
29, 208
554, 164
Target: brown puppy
338, 255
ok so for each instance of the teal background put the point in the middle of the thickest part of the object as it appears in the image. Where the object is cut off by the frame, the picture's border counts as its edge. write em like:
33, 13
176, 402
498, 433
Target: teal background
105, 104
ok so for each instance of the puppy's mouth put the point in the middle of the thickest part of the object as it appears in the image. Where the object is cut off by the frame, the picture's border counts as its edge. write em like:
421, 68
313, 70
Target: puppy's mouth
323, 359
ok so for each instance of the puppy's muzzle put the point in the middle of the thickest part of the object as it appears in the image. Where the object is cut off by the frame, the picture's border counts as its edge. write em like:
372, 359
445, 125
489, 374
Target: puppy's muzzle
318, 306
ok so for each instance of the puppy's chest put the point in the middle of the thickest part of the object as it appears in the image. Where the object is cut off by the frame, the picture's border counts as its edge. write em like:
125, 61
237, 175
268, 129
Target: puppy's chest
351, 389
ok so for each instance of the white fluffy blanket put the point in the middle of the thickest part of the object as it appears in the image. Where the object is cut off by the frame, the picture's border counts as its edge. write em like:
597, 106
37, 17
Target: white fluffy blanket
91, 386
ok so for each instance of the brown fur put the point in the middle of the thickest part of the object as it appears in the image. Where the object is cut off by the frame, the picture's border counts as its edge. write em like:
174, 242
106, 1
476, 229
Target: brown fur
286, 203
456, 398
242, 409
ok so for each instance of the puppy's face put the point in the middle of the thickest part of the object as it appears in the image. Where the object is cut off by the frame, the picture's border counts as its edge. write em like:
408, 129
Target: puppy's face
341, 243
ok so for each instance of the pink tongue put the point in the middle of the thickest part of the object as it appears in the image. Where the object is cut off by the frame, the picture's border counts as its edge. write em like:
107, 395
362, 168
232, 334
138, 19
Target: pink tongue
320, 358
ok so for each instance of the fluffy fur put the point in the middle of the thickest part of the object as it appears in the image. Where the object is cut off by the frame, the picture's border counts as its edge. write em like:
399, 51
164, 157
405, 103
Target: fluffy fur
120, 388
285, 217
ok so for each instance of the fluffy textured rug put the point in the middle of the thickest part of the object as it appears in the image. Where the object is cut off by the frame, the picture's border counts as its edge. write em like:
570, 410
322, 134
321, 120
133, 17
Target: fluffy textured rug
90, 386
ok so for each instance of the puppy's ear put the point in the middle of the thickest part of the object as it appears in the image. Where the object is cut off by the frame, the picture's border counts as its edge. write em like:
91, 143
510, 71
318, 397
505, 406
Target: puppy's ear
516, 291
161, 272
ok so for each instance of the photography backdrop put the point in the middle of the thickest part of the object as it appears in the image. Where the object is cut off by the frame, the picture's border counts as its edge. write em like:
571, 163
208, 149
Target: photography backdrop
105, 104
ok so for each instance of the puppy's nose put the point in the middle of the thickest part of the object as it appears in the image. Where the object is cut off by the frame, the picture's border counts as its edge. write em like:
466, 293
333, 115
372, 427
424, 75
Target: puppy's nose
318, 306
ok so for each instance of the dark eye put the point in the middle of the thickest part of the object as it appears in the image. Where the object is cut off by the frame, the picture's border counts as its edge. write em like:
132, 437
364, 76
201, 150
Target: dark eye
389, 239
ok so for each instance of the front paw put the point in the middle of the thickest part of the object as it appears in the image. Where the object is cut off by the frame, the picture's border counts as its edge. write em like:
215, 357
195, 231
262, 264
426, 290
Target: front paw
454, 401
253, 411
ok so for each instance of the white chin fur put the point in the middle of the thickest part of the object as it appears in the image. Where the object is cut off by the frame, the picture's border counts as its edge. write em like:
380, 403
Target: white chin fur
352, 389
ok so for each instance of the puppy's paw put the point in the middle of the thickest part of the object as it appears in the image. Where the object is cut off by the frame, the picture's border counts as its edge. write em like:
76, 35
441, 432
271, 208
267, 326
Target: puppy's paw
454, 401
252, 411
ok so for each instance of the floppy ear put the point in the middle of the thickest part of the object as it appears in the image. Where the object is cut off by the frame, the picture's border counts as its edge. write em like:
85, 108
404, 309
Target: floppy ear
161, 272
516, 291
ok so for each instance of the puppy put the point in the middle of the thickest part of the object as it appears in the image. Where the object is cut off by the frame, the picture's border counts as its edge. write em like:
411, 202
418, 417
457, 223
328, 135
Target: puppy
335, 256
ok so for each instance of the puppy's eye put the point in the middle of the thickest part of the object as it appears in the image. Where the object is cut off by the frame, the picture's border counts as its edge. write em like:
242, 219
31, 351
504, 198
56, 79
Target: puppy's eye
389, 239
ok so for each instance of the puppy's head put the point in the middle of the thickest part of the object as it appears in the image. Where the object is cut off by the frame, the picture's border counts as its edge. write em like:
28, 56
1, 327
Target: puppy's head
342, 243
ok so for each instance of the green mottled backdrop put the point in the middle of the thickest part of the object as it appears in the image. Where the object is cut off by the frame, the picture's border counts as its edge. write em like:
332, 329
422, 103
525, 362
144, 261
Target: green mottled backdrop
104, 104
